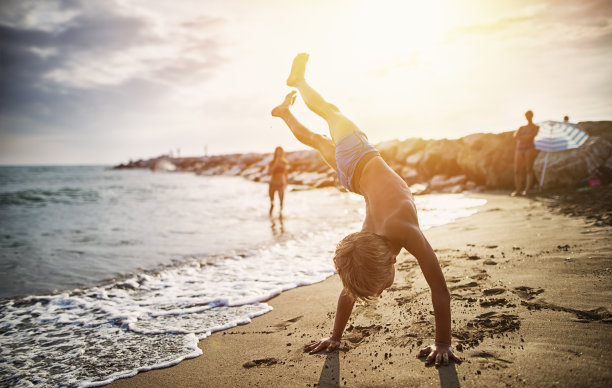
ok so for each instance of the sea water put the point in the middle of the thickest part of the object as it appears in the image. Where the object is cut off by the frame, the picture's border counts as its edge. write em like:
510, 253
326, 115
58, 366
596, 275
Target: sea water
105, 273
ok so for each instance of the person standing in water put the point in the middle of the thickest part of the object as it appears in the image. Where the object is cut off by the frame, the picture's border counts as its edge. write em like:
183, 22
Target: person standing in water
365, 260
524, 155
278, 169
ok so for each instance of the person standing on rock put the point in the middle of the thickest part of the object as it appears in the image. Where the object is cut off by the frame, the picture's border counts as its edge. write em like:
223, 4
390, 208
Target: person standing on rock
524, 155
365, 260
278, 169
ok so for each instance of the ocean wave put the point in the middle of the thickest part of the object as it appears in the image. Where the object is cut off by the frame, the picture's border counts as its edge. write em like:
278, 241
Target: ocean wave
37, 197
151, 320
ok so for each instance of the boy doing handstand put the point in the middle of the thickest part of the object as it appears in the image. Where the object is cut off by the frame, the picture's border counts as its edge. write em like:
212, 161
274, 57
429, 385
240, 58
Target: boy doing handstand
365, 260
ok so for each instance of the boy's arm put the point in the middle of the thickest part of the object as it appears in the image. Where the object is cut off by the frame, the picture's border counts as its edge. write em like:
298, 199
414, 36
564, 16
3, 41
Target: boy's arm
420, 248
416, 243
343, 312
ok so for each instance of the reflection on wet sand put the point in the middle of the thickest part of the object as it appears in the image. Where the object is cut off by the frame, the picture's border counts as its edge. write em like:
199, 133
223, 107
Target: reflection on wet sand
277, 225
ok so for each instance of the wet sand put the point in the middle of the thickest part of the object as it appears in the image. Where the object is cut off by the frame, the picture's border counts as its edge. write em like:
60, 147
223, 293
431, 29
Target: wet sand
531, 301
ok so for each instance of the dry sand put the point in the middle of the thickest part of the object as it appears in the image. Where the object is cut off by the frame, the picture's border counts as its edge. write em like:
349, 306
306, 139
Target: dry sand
531, 300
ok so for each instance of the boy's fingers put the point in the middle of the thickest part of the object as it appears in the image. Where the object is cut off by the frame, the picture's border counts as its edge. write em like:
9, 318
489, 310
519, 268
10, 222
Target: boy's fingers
424, 352
445, 359
311, 345
318, 348
455, 358
430, 358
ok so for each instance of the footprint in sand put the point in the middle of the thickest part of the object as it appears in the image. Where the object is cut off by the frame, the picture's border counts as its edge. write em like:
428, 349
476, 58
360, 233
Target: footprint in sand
527, 292
493, 291
597, 314
263, 362
485, 325
357, 334
463, 286
288, 322
490, 360
480, 276
496, 302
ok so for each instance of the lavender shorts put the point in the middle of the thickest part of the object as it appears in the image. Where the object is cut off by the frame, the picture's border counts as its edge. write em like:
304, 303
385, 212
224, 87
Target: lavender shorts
351, 149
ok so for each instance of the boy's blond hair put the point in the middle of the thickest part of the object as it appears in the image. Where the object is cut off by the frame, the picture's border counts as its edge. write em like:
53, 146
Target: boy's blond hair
364, 262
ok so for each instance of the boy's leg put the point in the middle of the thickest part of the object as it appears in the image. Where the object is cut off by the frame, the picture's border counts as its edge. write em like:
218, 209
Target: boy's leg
320, 143
339, 125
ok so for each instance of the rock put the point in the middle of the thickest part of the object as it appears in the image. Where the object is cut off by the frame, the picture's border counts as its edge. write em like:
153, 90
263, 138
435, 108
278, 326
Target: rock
306, 178
414, 159
254, 169
455, 189
488, 159
597, 128
567, 168
440, 157
608, 163
408, 148
233, 170
306, 161
441, 181
409, 174
325, 182
470, 185
473, 162
418, 189
163, 165
249, 159
388, 150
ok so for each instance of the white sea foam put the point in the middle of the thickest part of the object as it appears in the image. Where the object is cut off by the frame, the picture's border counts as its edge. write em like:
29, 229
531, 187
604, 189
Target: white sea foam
149, 321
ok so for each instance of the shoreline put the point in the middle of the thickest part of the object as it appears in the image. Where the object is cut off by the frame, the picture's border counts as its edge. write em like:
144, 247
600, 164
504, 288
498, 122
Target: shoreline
509, 268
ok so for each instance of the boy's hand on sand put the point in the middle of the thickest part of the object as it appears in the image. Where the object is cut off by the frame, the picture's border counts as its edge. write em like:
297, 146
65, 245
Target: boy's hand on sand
439, 353
329, 344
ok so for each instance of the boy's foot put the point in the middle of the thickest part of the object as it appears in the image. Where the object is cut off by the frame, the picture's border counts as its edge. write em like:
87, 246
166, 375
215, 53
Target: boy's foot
287, 102
298, 68
514, 194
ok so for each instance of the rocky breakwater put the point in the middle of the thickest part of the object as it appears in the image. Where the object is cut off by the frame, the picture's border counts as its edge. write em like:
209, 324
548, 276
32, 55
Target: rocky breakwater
474, 162
567, 168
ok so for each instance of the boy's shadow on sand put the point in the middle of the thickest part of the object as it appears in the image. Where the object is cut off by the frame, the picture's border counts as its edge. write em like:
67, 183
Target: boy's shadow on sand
448, 376
330, 373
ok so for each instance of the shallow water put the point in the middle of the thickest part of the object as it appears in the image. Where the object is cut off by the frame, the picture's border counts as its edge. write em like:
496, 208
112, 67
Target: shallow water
123, 271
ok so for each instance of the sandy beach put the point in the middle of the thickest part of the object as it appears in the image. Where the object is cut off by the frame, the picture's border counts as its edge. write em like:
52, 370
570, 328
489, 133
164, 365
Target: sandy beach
531, 299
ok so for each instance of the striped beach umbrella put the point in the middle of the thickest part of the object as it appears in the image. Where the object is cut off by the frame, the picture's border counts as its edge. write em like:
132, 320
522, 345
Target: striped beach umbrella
557, 136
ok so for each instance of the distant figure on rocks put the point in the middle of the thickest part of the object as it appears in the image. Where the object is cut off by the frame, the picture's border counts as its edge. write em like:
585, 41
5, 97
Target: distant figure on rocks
566, 119
524, 155
365, 260
278, 169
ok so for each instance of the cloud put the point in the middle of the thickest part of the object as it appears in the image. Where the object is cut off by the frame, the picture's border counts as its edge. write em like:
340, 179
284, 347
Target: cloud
544, 24
67, 61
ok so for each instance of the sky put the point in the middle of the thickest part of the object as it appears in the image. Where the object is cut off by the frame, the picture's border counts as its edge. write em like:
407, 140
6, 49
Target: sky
105, 82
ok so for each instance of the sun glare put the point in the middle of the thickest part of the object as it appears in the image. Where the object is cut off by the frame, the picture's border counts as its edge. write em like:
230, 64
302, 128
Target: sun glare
384, 33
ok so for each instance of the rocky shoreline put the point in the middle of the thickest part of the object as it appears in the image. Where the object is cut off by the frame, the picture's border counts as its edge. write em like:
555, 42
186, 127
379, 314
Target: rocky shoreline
471, 163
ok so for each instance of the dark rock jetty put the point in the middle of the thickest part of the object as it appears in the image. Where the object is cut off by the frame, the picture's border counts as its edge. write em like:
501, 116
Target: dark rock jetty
472, 163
